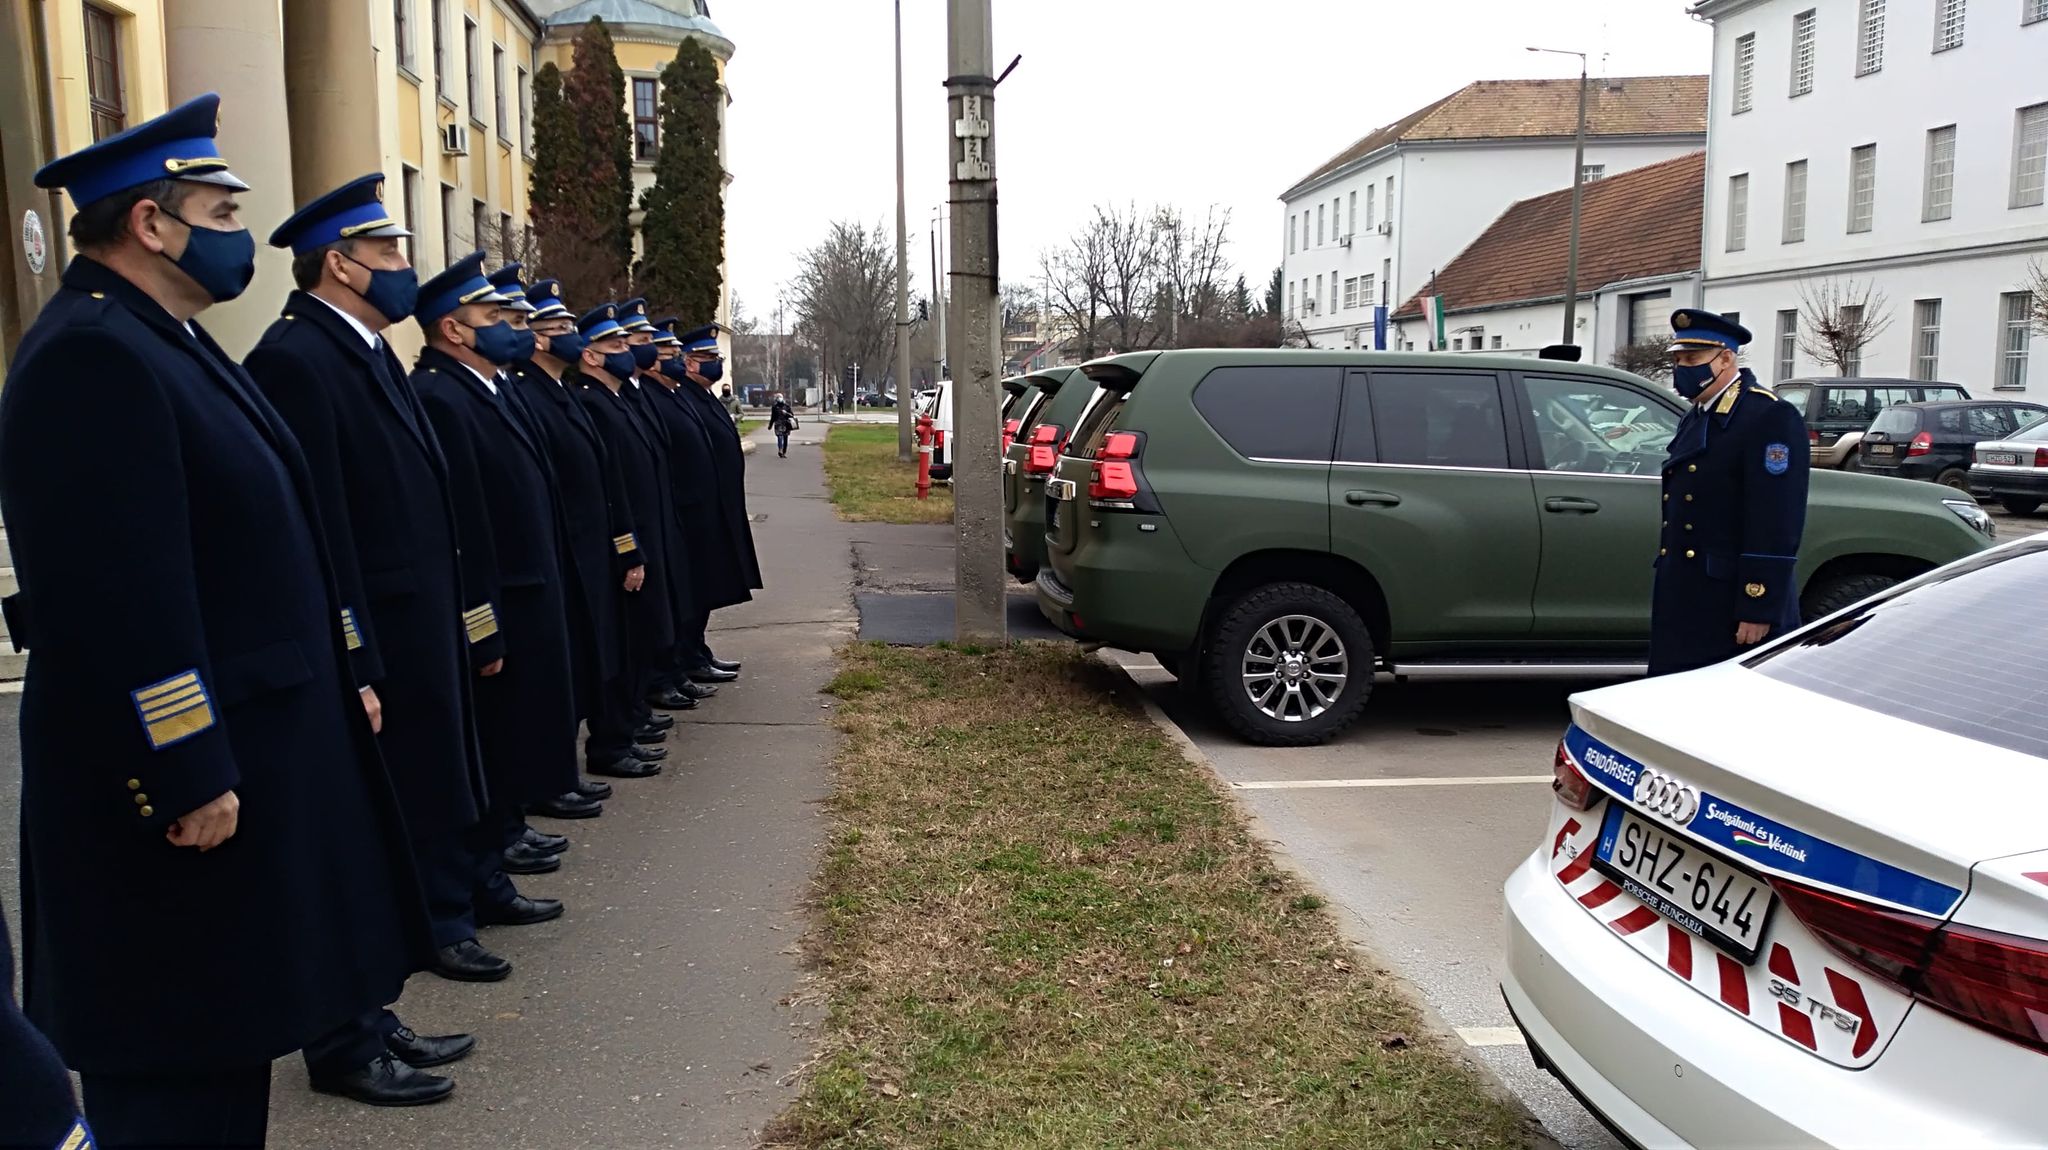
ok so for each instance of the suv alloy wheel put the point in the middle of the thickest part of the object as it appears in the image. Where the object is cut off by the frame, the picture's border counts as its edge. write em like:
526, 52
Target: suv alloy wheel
1288, 664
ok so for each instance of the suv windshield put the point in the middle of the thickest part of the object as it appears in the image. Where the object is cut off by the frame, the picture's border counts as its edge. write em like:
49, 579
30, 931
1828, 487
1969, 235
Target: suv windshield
1991, 604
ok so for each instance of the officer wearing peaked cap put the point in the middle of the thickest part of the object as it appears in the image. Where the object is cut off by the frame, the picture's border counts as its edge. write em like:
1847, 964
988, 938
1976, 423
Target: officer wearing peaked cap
188, 656
1734, 505
733, 572
383, 492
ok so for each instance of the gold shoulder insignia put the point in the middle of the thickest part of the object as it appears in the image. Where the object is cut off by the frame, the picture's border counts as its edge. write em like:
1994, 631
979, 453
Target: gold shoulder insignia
79, 1139
173, 709
1727, 403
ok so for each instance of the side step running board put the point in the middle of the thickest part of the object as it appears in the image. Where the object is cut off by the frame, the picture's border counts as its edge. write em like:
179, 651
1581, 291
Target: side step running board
1531, 670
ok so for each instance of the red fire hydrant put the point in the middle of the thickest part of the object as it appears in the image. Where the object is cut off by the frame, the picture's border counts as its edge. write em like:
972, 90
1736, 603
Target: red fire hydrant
924, 456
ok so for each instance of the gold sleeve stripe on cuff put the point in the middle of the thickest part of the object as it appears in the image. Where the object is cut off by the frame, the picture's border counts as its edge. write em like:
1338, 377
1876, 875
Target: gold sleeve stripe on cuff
174, 683
624, 543
172, 704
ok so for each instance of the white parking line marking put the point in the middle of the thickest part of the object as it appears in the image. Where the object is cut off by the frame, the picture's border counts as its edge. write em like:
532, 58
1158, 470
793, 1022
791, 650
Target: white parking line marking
1490, 1036
1348, 784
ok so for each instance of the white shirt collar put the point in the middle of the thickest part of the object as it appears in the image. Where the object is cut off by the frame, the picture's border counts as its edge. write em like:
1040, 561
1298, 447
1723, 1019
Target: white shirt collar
486, 380
369, 337
1707, 398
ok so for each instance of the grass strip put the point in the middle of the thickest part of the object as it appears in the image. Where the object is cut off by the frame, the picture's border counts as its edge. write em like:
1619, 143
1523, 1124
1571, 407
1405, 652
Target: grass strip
1041, 926
868, 485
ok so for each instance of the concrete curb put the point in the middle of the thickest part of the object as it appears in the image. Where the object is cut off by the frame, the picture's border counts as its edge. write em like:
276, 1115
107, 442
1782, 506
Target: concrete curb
1344, 920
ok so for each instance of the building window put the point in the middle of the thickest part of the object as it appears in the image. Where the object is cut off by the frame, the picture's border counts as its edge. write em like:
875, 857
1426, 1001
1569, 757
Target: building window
471, 49
1333, 292
1290, 234
525, 112
1290, 299
1849, 317
1350, 293
1788, 345
1590, 172
1862, 187
1938, 197
1322, 218
401, 24
1948, 24
1478, 339
449, 249
1802, 53
1926, 339
1372, 203
2014, 334
1365, 293
508, 239
440, 47
2030, 156
479, 226
646, 120
498, 91
1336, 219
1738, 212
1795, 202
1745, 73
2037, 11
1353, 217
1496, 343
105, 85
1870, 37
1386, 279
409, 185
1389, 205
1318, 296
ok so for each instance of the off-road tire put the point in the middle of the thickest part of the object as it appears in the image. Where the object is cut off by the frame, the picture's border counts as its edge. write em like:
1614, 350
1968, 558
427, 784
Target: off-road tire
1233, 628
1830, 595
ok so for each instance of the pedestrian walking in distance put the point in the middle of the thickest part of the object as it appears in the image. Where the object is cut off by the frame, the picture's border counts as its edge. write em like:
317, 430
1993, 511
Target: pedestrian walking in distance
1734, 505
215, 870
781, 420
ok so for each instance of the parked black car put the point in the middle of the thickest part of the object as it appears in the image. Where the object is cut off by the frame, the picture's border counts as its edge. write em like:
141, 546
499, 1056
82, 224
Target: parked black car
1933, 441
1839, 410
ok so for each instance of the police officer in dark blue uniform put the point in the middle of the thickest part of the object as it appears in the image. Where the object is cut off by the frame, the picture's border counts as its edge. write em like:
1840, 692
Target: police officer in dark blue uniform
37, 1110
704, 368
187, 657
383, 490
1734, 505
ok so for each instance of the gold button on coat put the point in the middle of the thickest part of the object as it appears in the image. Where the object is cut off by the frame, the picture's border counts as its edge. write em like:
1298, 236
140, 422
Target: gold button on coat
148, 811
141, 800
134, 784
1692, 467
1688, 499
1688, 555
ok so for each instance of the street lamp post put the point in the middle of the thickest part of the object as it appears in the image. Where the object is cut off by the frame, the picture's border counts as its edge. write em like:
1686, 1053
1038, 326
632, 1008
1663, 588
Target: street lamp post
1571, 259
903, 444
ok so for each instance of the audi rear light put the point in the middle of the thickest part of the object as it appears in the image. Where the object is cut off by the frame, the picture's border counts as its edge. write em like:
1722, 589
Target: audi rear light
1045, 449
1569, 784
1813, 437
1921, 445
1114, 475
1994, 981
2041, 457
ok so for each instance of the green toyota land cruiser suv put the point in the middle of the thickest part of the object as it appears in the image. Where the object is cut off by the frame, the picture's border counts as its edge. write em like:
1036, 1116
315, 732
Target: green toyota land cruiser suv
1034, 434
1277, 526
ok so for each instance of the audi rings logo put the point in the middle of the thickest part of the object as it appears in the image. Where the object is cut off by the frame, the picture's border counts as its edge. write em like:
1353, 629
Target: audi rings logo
1666, 797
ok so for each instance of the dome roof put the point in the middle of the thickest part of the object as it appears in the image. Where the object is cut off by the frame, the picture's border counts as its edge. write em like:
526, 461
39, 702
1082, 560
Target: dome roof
677, 16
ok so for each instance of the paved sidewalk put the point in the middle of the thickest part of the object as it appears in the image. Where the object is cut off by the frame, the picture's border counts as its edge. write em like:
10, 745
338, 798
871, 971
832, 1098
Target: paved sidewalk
657, 1012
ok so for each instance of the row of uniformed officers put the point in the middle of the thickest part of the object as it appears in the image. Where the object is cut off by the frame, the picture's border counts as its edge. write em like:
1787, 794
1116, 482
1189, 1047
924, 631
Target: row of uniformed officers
311, 636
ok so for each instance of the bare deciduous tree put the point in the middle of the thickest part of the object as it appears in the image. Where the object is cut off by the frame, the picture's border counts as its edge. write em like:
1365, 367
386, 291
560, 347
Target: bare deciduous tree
2037, 283
1649, 358
1191, 265
1076, 276
844, 295
1838, 319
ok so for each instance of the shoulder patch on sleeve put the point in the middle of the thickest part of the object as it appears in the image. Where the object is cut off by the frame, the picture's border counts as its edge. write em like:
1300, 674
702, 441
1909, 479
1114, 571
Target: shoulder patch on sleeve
174, 709
1777, 457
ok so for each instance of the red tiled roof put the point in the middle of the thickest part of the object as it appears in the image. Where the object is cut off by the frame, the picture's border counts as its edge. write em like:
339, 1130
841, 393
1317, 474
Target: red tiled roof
1639, 223
1528, 109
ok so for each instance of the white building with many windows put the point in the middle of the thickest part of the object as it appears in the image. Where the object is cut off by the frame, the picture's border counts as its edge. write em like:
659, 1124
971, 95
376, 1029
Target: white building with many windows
1893, 148
1370, 226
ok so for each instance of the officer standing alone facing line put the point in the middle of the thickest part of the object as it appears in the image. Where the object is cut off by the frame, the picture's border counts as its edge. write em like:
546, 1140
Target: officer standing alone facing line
1734, 505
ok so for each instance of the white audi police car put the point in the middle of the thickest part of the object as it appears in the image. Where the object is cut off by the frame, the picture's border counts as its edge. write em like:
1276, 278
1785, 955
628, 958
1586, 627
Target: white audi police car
1801, 898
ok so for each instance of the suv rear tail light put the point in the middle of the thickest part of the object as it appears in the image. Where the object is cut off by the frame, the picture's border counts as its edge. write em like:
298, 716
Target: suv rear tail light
1045, 449
1997, 982
1010, 432
1921, 445
1813, 437
1114, 475
1568, 783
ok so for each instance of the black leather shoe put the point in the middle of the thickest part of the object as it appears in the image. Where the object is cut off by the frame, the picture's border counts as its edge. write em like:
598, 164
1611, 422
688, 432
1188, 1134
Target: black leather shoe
711, 674
671, 701
521, 911
732, 665
658, 723
594, 789
387, 1082
569, 806
545, 843
420, 1051
650, 736
695, 690
522, 859
648, 754
626, 767
468, 961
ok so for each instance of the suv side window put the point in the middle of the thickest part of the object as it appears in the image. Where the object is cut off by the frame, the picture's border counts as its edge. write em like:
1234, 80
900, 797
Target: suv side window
1598, 428
1283, 413
1797, 396
1439, 419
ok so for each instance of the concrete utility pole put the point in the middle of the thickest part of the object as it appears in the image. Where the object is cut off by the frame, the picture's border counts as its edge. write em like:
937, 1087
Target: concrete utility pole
1571, 259
979, 585
903, 444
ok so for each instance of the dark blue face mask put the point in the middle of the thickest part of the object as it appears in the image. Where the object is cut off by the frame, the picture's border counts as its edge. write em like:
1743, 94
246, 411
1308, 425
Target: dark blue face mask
394, 292
567, 347
1690, 381
620, 365
644, 355
500, 344
711, 370
221, 263
528, 343
674, 369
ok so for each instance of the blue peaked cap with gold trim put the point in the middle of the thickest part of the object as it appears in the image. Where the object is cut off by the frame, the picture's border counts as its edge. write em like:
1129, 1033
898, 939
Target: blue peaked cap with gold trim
463, 283
178, 145
600, 322
546, 298
702, 340
633, 315
506, 280
1697, 327
665, 332
352, 211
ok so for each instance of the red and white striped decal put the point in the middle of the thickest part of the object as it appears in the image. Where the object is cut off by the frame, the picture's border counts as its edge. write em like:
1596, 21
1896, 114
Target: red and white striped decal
1771, 994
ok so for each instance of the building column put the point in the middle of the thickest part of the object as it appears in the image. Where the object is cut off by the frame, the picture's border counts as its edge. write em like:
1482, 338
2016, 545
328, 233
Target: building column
332, 90
236, 48
24, 144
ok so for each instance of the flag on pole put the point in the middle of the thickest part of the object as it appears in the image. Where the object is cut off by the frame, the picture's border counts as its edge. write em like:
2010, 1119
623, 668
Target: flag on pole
1433, 319
1379, 328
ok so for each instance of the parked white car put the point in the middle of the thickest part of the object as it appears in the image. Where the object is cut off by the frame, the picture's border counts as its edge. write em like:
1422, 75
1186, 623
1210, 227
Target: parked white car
1801, 898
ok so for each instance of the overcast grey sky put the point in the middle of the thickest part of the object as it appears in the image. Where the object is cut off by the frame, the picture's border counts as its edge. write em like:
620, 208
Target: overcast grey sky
1191, 102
